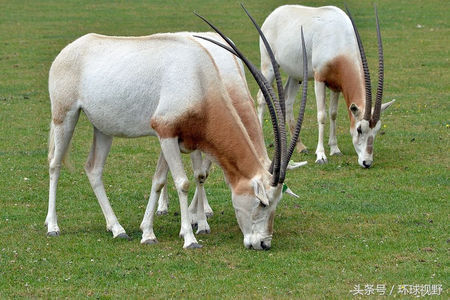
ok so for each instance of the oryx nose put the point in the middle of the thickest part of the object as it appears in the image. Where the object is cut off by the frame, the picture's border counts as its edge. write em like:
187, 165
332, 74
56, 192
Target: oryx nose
367, 163
265, 246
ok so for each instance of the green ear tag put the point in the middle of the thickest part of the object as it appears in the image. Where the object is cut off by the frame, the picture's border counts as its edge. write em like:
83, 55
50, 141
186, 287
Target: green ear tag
285, 187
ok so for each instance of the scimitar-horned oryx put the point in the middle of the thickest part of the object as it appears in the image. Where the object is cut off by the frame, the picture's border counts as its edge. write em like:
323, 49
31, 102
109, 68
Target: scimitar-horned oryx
167, 86
232, 73
336, 56
260, 221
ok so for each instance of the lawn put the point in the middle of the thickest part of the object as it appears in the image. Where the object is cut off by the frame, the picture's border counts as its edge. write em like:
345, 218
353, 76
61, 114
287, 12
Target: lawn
388, 225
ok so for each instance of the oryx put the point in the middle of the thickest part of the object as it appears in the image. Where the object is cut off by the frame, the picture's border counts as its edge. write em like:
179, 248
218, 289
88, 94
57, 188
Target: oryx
100, 149
167, 85
336, 60
231, 71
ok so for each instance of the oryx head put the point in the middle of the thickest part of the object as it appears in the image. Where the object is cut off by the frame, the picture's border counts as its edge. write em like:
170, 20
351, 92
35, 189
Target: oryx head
255, 201
367, 123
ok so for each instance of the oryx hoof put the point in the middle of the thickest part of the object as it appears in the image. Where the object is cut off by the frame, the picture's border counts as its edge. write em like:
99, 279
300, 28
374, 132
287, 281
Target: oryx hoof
149, 242
337, 153
302, 148
194, 246
162, 212
321, 161
53, 233
204, 231
209, 214
194, 226
123, 235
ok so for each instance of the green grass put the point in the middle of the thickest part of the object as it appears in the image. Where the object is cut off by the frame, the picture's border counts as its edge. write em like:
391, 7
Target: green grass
386, 225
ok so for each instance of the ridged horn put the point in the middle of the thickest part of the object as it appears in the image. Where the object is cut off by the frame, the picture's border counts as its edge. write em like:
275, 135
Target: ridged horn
276, 68
368, 108
379, 95
278, 103
298, 126
266, 89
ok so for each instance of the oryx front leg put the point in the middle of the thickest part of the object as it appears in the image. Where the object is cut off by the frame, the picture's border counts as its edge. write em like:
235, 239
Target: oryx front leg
94, 170
59, 140
158, 183
171, 151
196, 209
332, 142
319, 87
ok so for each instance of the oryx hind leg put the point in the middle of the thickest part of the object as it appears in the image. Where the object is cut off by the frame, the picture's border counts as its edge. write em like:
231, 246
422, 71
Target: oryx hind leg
60, 135
332, 142
206, 165
163, 201
197, 207
94, 170
159, 181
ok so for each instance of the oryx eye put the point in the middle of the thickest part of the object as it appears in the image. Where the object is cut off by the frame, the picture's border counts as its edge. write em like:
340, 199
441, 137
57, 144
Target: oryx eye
359, 130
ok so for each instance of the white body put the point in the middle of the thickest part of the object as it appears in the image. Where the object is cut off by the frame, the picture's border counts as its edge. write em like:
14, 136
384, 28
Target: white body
333, 61
165, 85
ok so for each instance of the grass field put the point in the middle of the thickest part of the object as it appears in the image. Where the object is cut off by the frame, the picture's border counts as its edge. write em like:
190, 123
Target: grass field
386, 225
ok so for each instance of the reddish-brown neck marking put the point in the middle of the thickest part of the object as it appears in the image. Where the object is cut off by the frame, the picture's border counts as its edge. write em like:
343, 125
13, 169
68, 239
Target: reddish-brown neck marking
216, 128
244, 105
343, 75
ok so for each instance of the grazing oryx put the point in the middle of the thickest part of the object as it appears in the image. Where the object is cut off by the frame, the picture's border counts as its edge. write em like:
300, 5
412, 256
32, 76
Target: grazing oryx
232, 73
336, 55
228, 66
167, 85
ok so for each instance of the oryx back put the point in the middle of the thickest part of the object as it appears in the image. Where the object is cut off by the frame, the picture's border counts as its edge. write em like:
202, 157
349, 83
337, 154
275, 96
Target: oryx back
328, 34
121, 82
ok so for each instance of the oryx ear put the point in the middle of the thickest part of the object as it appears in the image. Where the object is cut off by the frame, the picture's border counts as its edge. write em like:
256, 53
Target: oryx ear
260, 192
386, 105
354, 109
288, 191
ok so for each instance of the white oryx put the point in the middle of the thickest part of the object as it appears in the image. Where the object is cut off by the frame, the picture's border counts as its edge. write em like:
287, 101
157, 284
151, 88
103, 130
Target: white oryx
166, 85
94, 172
337, 61
232, 73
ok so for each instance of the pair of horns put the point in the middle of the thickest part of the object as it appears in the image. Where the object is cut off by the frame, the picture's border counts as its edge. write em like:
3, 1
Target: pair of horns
276, 105
378, 99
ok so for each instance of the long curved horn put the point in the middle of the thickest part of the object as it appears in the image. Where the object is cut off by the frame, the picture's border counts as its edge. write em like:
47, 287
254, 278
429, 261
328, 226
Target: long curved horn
266, 90
268, 94
379, 96
278, 103
276, 68
298, 126
368, 108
